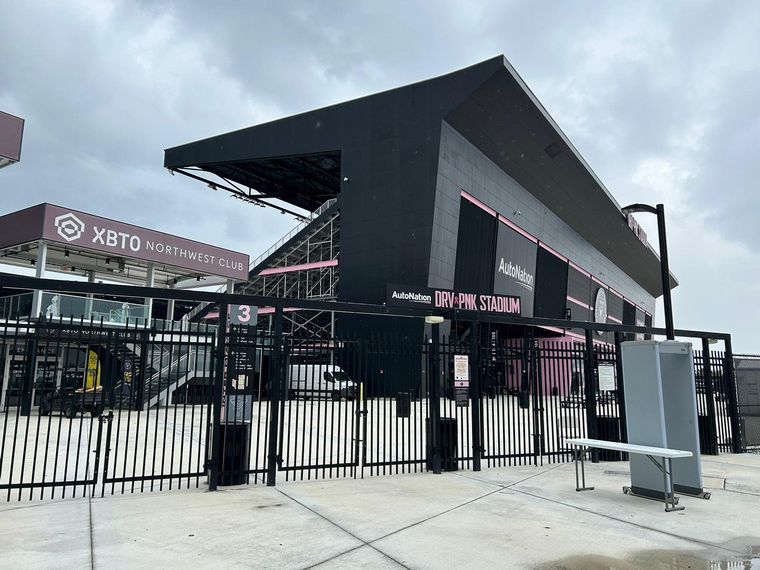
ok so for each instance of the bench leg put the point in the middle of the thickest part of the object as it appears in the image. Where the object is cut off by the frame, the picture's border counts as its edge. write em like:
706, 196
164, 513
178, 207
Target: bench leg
670, 493
578, 451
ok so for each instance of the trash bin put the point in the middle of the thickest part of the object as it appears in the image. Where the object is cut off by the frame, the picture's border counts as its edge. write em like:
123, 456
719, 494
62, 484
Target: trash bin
608, 429
448, 444
403, 404
236, 439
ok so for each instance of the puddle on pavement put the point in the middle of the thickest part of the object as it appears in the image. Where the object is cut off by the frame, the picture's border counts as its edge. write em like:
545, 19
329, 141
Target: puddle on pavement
663, 560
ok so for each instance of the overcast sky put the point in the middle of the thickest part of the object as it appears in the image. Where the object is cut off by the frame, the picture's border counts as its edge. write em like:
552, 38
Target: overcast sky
660, 98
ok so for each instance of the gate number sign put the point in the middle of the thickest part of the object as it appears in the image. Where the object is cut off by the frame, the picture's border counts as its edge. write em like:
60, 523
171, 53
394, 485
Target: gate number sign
243, 315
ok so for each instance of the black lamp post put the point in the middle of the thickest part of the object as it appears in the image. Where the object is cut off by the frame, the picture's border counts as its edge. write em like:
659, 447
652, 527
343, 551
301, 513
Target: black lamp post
659, 211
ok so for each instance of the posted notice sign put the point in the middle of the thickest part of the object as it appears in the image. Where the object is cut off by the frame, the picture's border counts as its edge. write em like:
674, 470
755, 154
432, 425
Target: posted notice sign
462, 379
607, 377
461, 371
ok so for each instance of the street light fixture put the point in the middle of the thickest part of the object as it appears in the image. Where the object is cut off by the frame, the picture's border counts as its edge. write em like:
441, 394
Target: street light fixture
659, 211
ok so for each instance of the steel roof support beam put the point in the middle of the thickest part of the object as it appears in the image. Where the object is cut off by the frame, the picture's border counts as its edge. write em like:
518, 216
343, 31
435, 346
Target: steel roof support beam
242, 195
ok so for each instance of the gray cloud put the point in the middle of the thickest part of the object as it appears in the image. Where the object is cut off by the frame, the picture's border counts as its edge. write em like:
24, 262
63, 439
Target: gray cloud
659, 97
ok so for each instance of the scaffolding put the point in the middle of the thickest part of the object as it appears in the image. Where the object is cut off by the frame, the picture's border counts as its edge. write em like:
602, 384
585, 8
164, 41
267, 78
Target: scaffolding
305, 267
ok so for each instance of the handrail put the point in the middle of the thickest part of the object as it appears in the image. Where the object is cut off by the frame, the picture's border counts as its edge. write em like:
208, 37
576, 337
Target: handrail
301, 225
274, 247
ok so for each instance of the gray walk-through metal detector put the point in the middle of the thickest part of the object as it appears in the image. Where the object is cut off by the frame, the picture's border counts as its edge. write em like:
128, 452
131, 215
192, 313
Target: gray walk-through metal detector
661, 411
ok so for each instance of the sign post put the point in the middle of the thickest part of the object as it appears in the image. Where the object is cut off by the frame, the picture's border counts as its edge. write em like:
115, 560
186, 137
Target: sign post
241, 365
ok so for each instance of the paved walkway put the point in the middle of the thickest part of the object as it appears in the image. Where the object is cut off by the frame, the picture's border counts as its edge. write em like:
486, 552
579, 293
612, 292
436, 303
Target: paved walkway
516, 517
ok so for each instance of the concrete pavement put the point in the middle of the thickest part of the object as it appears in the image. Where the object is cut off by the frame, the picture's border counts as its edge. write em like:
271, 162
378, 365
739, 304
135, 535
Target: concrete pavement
516, 517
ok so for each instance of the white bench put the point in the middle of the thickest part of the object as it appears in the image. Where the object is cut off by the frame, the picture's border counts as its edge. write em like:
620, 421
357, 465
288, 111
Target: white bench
667, 455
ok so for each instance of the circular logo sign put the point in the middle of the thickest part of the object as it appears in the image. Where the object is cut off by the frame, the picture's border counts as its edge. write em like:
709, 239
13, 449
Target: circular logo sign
600, 307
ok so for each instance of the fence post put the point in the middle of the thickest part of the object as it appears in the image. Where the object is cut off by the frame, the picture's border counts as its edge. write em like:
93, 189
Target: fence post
589, 386
712, 428
30, 371
434, 379
275, 392
216, 436
733, 408
476, 396
620, 388
536, 388
109, 368
138, 384
525, 361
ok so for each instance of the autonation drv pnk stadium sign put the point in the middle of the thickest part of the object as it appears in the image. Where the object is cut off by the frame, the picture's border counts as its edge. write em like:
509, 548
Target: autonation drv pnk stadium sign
79, 229
421, 297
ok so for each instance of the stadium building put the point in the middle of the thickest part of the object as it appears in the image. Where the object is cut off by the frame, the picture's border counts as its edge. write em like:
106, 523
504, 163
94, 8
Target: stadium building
461, 184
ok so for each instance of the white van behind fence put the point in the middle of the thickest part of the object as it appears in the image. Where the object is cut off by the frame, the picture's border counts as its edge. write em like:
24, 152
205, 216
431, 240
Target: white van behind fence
320, 381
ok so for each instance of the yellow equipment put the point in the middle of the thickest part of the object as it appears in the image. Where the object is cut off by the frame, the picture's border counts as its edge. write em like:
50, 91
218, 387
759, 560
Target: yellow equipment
92, 374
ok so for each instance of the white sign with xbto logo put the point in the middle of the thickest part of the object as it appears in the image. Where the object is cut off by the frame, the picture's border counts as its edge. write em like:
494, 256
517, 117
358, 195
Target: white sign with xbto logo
120, 239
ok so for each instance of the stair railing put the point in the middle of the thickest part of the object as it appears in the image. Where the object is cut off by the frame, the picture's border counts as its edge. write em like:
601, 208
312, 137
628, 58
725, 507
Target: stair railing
274, 247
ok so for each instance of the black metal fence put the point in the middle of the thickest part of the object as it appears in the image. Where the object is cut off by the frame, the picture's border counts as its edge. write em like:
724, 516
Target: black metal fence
90, 408
716, 400
93, 408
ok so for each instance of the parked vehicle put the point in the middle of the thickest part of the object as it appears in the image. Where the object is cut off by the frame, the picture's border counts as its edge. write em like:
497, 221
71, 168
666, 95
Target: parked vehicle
319, 381
70, 402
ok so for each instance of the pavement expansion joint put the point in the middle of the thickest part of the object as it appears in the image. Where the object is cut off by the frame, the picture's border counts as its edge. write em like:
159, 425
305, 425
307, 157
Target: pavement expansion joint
372, 542
752, 493
338, 526
708, 462
628, 522
63, 502
479, 480
91, 532
431, 517
508, 485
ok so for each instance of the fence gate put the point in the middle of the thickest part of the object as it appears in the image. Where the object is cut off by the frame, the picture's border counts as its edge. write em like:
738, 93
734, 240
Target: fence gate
525, 398
291, 406
48, 447
159, 397
93, 409
319, 426
716, 401
534, 395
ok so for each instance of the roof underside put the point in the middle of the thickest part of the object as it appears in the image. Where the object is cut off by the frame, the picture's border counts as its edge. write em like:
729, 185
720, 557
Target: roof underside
499, 115
72, 260
306, 181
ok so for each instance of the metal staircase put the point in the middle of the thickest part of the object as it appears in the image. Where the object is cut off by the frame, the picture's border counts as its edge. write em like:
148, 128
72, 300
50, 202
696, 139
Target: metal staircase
183, 366
302, 264
169, 368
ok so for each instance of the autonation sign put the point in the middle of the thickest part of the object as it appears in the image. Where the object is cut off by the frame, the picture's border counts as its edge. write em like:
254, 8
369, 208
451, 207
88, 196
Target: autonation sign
422, 297
79, 229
